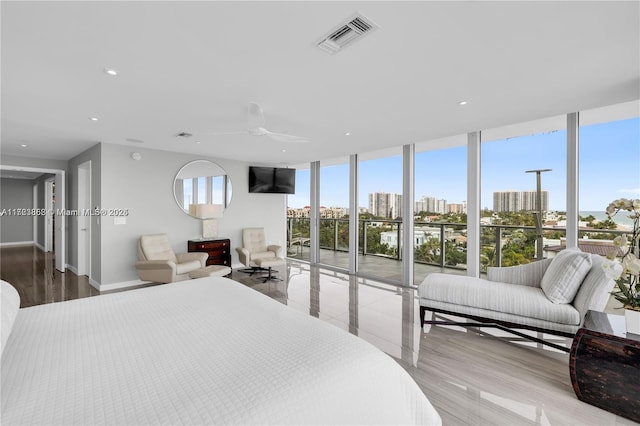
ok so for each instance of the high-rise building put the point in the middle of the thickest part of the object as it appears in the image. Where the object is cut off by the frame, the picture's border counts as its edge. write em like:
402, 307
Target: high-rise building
425, 204
431, 205
385, 204
457, 208
515, 201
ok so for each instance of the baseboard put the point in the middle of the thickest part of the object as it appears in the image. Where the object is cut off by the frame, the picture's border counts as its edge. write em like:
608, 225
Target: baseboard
40, 246
114, 286
17, 243
95, 284
72, 269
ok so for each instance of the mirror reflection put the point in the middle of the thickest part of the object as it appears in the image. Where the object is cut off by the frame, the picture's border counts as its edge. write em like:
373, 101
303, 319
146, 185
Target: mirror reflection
202, 189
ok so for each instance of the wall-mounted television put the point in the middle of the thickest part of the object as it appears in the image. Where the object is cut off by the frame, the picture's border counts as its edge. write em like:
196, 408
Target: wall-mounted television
272, 180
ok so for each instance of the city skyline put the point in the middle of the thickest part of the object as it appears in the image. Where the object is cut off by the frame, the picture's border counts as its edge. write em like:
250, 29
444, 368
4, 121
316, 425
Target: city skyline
609, 162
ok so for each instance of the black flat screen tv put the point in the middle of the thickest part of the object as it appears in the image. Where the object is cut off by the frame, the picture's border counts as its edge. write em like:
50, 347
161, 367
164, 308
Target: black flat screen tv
272, 180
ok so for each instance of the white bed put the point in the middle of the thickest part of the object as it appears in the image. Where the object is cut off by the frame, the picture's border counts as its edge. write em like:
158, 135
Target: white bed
205, 351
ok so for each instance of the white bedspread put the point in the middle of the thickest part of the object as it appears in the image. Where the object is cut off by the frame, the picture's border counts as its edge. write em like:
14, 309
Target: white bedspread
205, 351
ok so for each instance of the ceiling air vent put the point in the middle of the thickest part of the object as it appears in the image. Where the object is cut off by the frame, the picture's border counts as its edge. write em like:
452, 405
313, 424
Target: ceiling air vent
355, 27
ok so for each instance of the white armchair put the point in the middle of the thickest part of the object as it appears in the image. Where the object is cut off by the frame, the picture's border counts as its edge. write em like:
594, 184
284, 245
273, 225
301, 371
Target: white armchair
254, 247
158, 262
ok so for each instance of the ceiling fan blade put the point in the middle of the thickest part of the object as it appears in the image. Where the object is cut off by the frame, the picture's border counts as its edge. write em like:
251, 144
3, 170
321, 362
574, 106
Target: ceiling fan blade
255, 127
255, 116
241, 132
283, 137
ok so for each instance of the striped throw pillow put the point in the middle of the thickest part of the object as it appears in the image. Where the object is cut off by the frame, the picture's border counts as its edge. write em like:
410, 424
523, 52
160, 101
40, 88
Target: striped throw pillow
565, 274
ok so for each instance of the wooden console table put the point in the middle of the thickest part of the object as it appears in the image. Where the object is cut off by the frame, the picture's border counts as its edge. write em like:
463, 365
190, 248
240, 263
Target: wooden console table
604, 364
219, 250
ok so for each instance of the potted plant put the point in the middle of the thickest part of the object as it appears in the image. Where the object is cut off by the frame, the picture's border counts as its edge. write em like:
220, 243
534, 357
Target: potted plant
626, 271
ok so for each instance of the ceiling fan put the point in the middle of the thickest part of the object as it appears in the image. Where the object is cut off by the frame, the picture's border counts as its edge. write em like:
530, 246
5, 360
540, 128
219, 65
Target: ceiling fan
256, 127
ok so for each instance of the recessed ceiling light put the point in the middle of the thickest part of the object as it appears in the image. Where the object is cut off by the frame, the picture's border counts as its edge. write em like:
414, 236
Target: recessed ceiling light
93, 118
462, 103
284, 150
348, 134
110, 72
24, 145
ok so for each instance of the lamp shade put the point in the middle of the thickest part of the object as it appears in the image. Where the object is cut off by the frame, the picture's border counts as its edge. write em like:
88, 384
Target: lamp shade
206, 211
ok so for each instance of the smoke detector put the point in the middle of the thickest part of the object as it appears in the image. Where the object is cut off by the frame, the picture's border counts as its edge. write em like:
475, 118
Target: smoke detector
344, 34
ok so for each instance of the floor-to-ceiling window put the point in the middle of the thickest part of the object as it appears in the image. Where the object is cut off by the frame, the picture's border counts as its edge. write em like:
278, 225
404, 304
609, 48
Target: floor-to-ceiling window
609, 170
523, 191
298, 217
334, 213
440, 207
380, 221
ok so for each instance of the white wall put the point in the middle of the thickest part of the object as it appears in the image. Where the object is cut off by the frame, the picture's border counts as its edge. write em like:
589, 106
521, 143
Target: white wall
145, 188
16, 194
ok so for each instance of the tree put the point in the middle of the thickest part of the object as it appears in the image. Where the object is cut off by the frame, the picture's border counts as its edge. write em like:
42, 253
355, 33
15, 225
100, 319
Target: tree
487, 257
429, 251
589, 219
606, 224
454, 254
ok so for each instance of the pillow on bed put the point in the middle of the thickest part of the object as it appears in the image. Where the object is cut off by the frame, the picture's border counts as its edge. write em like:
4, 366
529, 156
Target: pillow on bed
9, 305
565, 274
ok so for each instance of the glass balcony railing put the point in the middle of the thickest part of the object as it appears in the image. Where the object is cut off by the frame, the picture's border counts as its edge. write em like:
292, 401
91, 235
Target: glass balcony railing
442, 245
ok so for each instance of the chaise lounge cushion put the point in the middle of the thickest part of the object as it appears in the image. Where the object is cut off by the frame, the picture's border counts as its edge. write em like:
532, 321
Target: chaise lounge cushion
565, 274
476, 295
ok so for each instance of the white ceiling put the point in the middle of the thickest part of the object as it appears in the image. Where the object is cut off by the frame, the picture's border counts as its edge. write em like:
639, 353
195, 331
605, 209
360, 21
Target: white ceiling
194, 66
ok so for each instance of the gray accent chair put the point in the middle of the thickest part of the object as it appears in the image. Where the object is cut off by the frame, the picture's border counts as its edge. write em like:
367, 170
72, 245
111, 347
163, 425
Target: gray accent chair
158, 262
514, 297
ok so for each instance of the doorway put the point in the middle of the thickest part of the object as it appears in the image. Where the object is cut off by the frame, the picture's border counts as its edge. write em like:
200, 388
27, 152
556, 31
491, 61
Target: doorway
58, 232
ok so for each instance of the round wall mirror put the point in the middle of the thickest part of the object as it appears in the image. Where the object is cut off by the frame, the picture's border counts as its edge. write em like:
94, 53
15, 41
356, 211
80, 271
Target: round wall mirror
202, 189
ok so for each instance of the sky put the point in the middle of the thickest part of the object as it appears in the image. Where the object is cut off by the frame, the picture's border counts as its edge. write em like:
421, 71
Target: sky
609, 169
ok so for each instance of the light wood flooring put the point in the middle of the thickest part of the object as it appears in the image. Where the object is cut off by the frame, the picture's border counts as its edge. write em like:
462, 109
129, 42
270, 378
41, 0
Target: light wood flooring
470, 377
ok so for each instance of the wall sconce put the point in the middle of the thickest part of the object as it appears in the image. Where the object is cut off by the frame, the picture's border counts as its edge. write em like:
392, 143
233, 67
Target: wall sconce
209, 213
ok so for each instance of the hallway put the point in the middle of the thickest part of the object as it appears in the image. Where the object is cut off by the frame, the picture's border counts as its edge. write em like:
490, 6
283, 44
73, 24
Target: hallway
32, 272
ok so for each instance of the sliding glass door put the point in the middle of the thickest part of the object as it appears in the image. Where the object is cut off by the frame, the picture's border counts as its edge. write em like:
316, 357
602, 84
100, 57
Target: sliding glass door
380, 221
298, 217
334, 213
440, 208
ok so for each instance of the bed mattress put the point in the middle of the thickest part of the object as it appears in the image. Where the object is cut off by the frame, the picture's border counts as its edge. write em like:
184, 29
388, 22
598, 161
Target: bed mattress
204, 351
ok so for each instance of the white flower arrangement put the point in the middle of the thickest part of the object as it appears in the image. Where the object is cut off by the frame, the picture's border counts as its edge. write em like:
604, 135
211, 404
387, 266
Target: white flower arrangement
626, 272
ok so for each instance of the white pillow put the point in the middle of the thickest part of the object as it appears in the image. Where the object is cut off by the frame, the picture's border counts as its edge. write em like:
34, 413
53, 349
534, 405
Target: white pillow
565, 274
9, 305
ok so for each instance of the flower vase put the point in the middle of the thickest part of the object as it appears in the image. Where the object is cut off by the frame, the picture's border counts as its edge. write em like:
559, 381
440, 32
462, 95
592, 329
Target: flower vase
632, 318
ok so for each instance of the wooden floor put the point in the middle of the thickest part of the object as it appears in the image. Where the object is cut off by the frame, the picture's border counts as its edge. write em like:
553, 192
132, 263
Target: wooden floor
471, 378
32, 272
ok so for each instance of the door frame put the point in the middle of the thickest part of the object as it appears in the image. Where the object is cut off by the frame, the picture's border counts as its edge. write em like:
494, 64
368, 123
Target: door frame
83, 220
60, 243
49, 206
